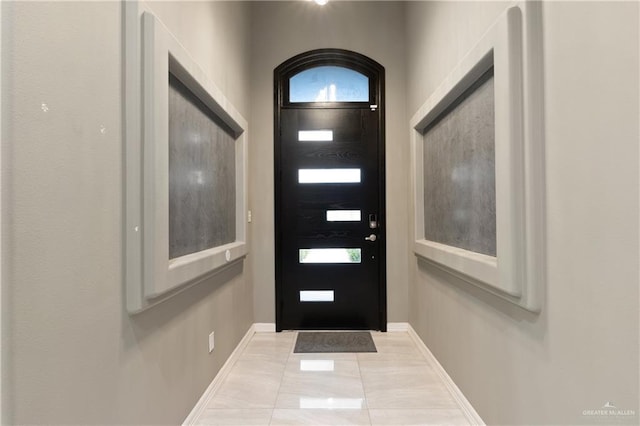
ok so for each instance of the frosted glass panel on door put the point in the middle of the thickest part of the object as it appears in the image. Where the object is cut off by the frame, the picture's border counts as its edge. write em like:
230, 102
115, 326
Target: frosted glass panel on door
315, 135
330, 255
344, 216
329, 84
316, 296
329, 176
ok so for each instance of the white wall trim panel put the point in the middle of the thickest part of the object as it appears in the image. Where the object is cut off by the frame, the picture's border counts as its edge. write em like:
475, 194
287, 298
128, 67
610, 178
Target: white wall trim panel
469, 412
512, 46
151, 52
202, 403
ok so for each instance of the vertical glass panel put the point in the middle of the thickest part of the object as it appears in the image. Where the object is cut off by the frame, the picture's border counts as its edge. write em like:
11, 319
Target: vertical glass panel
459, 173
315, 135
329, 176
344, 216
202, 175
329, 84
316, 296
330, 255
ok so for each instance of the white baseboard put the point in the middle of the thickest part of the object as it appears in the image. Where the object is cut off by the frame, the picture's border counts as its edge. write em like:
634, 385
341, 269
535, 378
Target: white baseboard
470, 413
264, 327
202, 403
397, 326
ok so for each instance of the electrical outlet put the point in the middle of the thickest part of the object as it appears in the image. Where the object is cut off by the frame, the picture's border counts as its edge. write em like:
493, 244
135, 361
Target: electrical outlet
211, 342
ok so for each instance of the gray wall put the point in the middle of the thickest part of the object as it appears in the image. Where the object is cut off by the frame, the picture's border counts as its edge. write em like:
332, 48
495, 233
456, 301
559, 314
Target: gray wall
74, 355
281, 30
582, 350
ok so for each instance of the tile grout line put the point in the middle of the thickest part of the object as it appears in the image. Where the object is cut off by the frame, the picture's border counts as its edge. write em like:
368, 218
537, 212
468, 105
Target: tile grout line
469, 412
289, 356
219, 378
295, 337
364, 392
421, 357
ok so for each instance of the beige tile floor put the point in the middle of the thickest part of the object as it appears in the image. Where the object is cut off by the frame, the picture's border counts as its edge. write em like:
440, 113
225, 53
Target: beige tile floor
271, 385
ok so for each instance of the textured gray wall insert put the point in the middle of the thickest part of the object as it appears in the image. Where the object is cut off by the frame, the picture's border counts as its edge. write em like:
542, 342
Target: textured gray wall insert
202, 176
459, 173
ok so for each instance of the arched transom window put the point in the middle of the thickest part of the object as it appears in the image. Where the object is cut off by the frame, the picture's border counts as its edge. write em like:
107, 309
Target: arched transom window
328, 83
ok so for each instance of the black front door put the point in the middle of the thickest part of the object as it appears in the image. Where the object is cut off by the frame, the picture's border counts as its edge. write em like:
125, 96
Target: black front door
329, 200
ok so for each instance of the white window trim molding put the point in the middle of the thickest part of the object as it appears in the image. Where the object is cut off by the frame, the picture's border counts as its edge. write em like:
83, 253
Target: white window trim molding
151, 52
512, 46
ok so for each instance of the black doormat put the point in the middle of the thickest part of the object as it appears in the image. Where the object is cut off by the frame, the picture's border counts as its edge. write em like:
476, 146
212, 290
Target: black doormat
339, 341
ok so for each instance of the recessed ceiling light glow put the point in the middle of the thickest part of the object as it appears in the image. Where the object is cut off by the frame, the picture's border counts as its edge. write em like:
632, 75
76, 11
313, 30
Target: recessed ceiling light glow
321, 2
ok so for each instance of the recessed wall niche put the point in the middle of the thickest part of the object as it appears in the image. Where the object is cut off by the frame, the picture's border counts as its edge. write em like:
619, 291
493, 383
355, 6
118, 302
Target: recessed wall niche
185, 154
202, 187
459, 172
478, 164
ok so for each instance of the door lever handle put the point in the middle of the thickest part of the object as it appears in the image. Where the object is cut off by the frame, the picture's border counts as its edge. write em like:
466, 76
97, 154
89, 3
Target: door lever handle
371, 237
